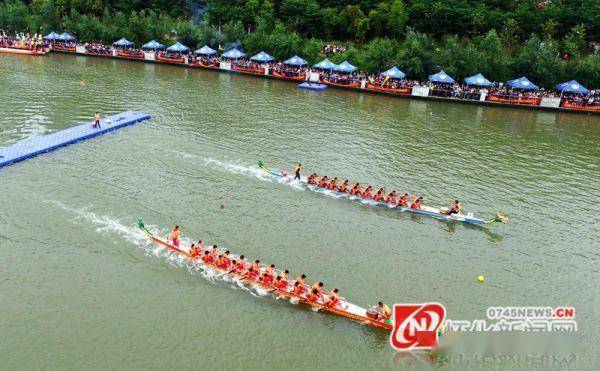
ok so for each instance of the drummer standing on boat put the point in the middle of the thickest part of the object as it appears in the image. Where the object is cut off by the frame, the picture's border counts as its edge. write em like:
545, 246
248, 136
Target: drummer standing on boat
96, 121
175, 236
297, 171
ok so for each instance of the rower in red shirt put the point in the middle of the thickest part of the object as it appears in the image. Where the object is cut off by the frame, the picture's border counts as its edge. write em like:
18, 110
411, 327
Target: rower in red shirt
344, 187
367, 193
333, 298
416, 204
213, 252
223, 261
314, 295
281, 283
207, 258
379, 195
323, 181
299, 288
333, 184
267, 278
194, 251
403, 200
355, 189
252, 274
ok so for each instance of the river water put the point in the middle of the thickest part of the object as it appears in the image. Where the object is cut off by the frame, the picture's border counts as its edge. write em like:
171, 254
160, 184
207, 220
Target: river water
81, 287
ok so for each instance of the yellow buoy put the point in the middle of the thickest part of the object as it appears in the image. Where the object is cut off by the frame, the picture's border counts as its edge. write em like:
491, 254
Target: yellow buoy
480, 279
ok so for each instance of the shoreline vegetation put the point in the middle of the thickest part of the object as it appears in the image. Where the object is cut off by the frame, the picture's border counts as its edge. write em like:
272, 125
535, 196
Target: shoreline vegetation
549, 42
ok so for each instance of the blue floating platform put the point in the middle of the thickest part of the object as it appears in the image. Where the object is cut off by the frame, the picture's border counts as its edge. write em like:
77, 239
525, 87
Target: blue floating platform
312, 86
33, 147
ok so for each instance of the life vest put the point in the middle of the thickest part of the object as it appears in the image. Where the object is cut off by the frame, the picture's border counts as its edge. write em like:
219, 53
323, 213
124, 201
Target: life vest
389, 199
267, 279
255, 266
366, 193
323, 182
313, 297
297, 169
252, 275
207, 258
377, 197
387, 313
97, 117
194, 252
332, 300
456, 208
300, 289
281, 284
224, 262
239, 266
416, 204
402, 201
343, 187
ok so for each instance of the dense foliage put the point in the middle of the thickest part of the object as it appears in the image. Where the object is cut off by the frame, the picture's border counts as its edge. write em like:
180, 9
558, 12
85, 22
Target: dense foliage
548, 41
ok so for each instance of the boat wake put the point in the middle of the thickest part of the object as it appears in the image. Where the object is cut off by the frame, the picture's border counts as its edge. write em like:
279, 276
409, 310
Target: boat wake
105, 224
254, 171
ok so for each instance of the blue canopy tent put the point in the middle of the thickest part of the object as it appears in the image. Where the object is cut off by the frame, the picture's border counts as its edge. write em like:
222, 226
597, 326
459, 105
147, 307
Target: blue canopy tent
206, 50
178, 47
262, 57
65, 37
345, 66
53, 36
393, 73
478, 80
572, 87
233, 54
325, 64
153, 45
295, 61
522, 83
124, 43
441, 77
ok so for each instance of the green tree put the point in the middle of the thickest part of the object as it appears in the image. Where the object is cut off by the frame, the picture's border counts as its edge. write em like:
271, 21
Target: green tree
449, 56
587, 71
510, 33
416, 56
538, 60
397, 18
303, 16
312, 50
379, 53
14, 16
574, 41
493, 61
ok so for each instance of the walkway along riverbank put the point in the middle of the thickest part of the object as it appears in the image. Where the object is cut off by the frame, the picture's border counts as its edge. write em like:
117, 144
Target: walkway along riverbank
415, 92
